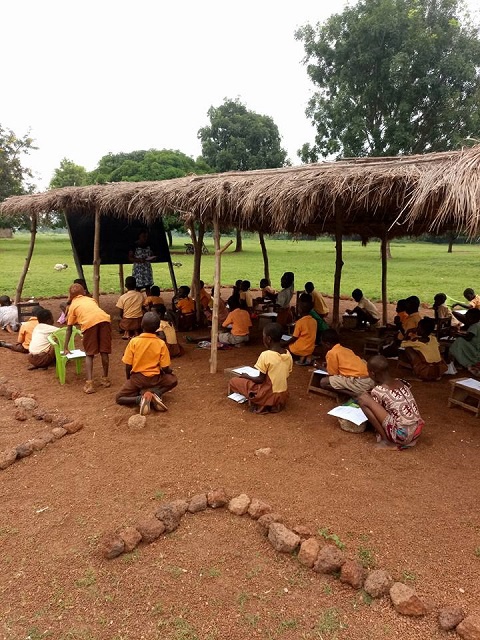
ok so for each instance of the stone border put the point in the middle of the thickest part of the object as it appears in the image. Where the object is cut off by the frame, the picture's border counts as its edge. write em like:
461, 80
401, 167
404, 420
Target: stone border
325, 559
26, 405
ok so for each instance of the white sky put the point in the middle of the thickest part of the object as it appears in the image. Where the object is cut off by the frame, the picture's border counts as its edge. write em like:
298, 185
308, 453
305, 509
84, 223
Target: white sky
92, 77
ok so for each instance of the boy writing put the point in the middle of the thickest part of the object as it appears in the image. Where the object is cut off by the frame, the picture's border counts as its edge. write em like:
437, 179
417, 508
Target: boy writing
41, 352
240, 322
347, 372
302, 344
391, 408
131, 312
147, 368
367, 313
268, 392
95, 326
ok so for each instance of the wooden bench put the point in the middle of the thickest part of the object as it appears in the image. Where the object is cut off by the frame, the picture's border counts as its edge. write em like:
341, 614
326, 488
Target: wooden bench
314, 387
465, 393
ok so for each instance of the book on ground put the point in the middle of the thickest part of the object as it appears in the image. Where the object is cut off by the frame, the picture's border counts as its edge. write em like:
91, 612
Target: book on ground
238, 397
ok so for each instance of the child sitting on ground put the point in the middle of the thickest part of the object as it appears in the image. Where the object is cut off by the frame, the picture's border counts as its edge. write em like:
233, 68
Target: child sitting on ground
147, 368
367, 313
240, 322
471, 297
347, 372
168, 334
131, 311
8, 315
319, 304
268, 391
185, 307
302, 343
268, 294
222, 308
423, 352
41, 352
154, 300
205, 301
24, 334
246, 294
95, 326
391, 408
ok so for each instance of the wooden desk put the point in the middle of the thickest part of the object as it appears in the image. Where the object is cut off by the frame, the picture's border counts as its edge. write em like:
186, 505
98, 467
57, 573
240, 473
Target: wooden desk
464, 396
314, 387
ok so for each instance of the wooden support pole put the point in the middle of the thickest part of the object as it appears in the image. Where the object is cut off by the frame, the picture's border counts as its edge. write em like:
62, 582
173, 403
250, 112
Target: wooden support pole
216, 294
266, 269
28, 259
384, 247
338, 269
121, 278
172, 276
197, 240
96, 258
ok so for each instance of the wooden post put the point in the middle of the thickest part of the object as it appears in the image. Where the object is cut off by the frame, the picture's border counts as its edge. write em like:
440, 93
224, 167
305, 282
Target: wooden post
216, 294
266, 270
338, 269
384, 249
197, 265
121, 278
96, 258
172, 275
28, 259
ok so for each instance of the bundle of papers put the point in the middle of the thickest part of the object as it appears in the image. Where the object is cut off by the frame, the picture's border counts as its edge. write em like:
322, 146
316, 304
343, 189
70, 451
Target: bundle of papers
75, 353
352, 414
470, 383
250, 371
238, 397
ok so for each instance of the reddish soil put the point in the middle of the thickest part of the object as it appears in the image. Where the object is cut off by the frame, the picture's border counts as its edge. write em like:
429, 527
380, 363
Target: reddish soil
414, 513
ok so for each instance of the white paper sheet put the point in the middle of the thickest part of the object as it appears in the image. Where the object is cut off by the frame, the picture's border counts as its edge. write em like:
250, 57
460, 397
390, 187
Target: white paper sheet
238, 397
470, 383
349, 315
349, 413
461, 311
286, 337
272, 314
75, 353
248, 370
321, 372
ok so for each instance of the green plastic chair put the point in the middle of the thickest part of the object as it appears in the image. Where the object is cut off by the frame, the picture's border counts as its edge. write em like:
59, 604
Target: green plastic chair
57, 340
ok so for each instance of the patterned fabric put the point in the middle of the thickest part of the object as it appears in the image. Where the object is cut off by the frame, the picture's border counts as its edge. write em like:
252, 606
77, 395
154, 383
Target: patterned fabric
142, 271
403, 423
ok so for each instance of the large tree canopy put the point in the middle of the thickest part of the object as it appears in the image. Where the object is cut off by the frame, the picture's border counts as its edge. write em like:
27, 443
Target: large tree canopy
69, 174
393, 76
13, 175
238, 139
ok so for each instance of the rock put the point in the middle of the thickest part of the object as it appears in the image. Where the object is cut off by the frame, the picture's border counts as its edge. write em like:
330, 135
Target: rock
169, 515
308, 552
3, 390
48, 417
46, 436
282, 539
41, 440
217, 498
3, 380
21, 415
72, 427
303, 531
406, 601
239, 505
39, 414
29, 404
266, 520
150, 529
378, 583
329, 559
131, 538
264, 451
450, 617
25, 449
137, 421
180, 507
59, 432
60, 420
7, 457
352, 573
469, 628
12, 393
258, 508
112, 546
198, 503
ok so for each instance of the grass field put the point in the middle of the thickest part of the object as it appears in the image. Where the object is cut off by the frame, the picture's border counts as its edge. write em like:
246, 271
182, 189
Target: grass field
416, 268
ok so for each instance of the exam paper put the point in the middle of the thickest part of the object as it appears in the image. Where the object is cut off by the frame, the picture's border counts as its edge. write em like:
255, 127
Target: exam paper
349, 413
248, 370
470, 383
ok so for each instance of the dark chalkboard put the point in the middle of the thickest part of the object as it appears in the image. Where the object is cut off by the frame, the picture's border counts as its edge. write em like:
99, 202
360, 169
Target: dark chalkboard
117, 237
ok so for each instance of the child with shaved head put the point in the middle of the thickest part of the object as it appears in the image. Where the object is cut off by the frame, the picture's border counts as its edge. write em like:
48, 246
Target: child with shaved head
391, 408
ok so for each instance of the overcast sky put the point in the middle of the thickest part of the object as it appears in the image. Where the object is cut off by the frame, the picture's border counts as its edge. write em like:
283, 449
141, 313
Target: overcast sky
92, 77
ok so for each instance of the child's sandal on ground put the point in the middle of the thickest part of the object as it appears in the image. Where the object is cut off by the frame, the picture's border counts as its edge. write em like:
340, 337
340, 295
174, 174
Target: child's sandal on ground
105, 382
88, 387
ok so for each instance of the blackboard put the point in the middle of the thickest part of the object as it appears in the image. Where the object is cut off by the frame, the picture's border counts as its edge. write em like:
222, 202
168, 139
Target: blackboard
117, 237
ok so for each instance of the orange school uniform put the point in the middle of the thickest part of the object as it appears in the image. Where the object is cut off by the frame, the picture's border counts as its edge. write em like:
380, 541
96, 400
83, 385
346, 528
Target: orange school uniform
85, 312
185, 305
26, 330
240, 321
205, 298
152, 300
344, 362
306, 332
147, 354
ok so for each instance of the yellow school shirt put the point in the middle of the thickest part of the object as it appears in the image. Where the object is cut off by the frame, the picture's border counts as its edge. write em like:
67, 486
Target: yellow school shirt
131, 303
169, 331
240, 321
25, 332
429, 350
306, 332
85, 312
319, 303
147, 354
277, 366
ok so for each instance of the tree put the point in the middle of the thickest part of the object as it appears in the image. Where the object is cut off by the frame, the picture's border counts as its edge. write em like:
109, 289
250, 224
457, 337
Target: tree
393, 76
69, 174
238, 139
14, 176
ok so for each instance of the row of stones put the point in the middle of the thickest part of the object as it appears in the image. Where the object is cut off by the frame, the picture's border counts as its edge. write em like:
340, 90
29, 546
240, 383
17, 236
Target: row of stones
326, 559
26, 405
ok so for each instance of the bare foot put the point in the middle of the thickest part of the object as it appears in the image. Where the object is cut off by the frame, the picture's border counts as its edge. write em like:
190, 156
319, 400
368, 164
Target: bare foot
386, 445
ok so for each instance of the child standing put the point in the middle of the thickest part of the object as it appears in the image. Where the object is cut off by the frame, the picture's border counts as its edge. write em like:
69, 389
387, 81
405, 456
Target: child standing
391, 408
41, 352
319, 304
240, 322
147, 368
268, 392
347, 372
423, 352
95, 326
24, 334
367, 313
8, 315
302, 344
131, 312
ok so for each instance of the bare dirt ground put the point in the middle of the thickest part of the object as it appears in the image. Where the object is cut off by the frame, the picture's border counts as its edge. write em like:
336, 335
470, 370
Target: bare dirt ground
415, 513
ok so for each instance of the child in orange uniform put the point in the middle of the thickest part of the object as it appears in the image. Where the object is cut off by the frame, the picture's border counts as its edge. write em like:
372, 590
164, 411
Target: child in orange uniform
302, 344
153, 300
267, 392
185, 307
131, 311
347, 372
24, 334
423, 352
168, 334
240, 322
95, 326
147, 368
41, 353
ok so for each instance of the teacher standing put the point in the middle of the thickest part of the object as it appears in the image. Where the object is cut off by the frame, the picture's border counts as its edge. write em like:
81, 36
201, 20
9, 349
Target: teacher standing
142, 255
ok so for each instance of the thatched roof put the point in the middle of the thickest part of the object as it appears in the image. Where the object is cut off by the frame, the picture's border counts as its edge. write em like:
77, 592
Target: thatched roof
431, 192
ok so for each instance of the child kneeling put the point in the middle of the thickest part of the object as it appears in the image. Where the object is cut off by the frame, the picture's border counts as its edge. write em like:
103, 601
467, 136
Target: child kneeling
268, 391
391, 408
147, 367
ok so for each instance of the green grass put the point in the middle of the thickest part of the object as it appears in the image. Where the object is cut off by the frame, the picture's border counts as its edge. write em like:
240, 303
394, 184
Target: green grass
417, 268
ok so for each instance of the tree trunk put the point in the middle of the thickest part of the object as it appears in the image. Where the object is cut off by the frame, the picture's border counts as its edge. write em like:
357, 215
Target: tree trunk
28, 259
239, 244
388, 251
217, 283
197, 239
266, 269
451, 240
169, 236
